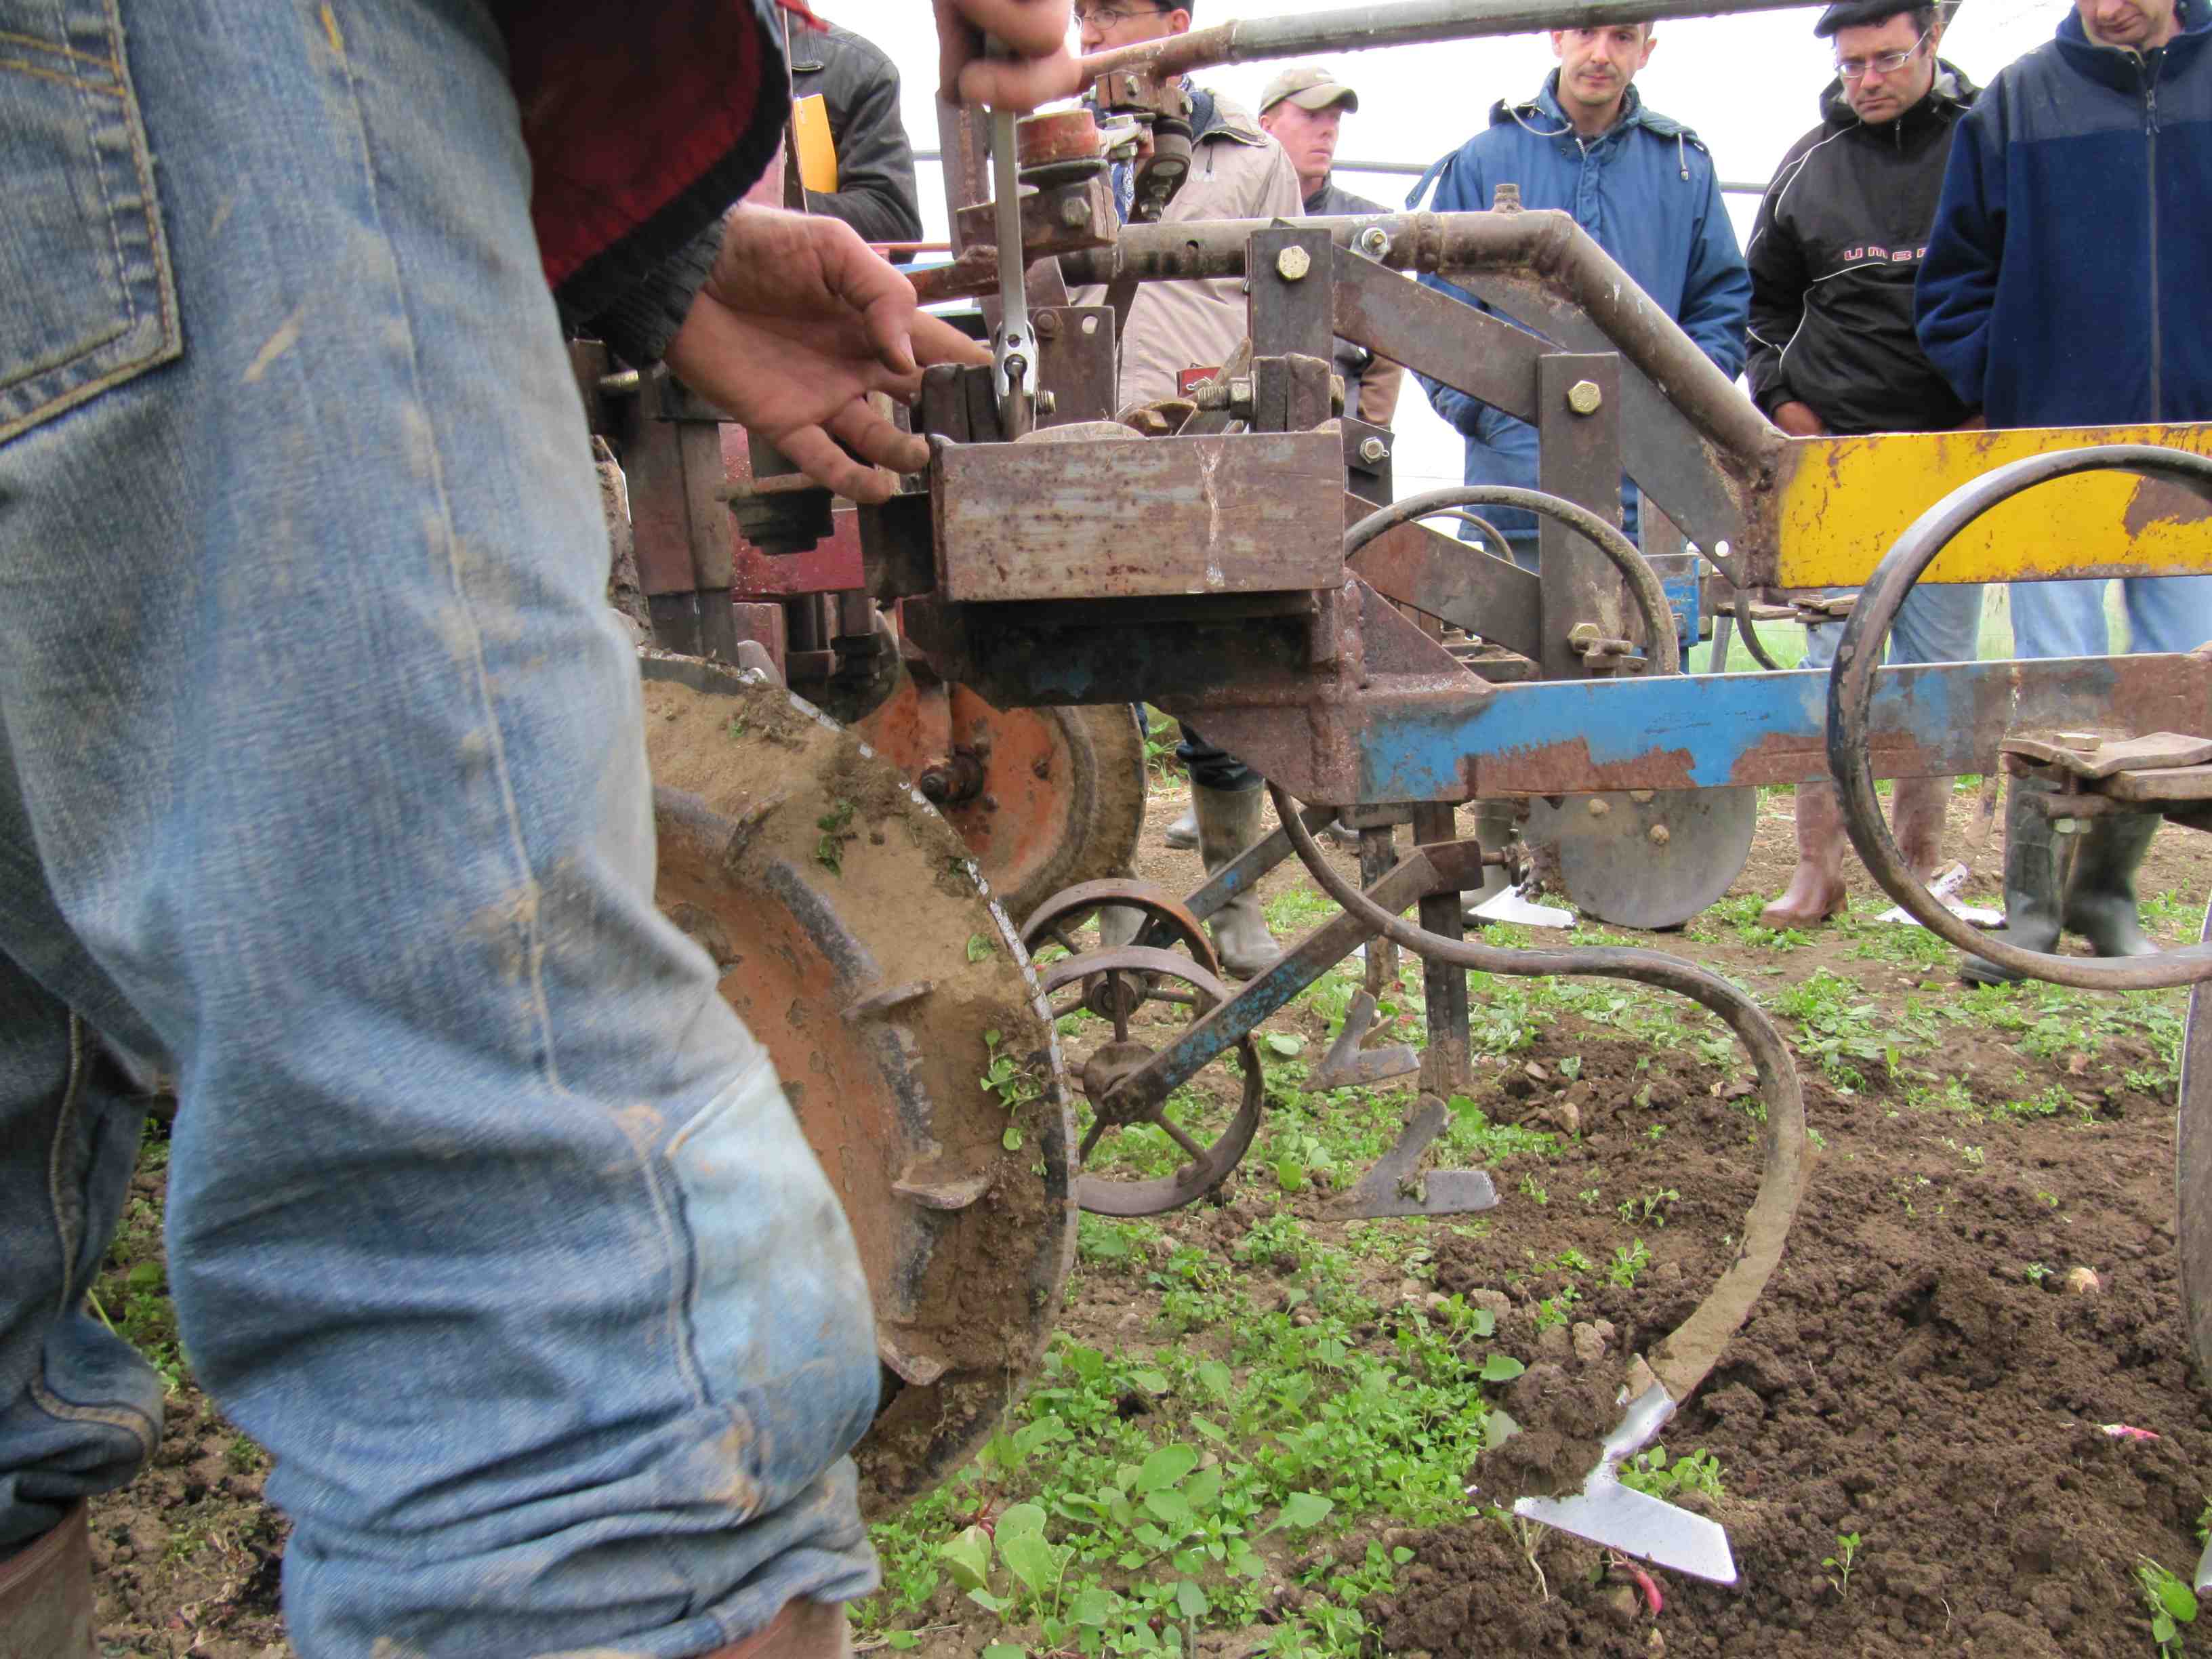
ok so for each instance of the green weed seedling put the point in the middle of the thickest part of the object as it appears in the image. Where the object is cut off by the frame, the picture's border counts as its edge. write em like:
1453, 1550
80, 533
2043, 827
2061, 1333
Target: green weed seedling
1650, 1472
1012, 1083
1627, 1262
1841, 1563
1651, 1208
830, 851
2173, 1604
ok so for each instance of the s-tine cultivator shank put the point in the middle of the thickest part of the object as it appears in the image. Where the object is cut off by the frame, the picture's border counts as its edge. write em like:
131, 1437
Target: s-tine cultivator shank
1235, 558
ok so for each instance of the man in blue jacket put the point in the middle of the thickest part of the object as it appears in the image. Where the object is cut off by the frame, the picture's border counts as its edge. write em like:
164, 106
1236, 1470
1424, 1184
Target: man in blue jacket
1641, 184
2062, 286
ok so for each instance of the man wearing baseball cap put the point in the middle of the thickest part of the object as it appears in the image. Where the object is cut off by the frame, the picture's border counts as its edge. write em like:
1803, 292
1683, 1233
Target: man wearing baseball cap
1304, 108
1833, 255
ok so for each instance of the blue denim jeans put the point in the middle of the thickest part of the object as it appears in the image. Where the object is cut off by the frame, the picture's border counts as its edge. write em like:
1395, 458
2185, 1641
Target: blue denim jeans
2067, 619
1935, 623
322, 786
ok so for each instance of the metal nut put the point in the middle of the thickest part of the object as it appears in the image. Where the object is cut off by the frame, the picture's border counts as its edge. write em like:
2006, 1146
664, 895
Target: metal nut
1657, 834
1374, 242
1046, 402
1072, 212
1240, 391
1584, 396
1641, 797
1599, 806
1372, 450
1292, 264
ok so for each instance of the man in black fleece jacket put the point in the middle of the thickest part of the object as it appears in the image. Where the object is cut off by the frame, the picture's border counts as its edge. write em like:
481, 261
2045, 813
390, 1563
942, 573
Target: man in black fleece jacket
1833, 255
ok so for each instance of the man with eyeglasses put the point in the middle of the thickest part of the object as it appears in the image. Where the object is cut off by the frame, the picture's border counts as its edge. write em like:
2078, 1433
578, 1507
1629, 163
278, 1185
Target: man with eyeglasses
1237, 171
1832, 257
2063, 286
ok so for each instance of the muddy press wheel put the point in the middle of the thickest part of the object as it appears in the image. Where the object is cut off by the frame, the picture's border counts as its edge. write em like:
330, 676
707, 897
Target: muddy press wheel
1116, 986
854, 940
1045, 798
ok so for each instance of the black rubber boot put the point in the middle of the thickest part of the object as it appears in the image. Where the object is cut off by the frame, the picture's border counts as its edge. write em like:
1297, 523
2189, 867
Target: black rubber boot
2031, 859
2100, 894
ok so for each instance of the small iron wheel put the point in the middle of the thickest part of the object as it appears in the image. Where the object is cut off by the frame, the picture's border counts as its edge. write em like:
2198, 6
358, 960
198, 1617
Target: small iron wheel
1114, 986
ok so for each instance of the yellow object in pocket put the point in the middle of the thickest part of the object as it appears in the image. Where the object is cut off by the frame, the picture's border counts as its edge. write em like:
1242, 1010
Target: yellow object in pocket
818, 150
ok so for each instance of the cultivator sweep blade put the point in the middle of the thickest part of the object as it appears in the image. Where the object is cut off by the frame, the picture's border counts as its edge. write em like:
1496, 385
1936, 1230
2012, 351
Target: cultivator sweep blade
855, 941
1636, 1523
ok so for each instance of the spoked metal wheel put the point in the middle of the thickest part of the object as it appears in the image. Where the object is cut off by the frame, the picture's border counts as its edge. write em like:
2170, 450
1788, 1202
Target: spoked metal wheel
1101, 915
1137, 1000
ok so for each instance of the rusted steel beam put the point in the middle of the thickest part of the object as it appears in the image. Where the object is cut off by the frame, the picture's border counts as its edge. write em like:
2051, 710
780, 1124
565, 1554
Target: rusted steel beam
1466, 350
1246, 513
1410, 23
1485, 594
1682, 732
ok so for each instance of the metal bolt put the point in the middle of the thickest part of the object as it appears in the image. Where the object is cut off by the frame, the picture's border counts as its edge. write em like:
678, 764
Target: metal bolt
1582, 636
1072, 212
1507, 199
1658, 835
1046, 323
1599, 806
2067, 826
1047, 402
1374, 242
1641, 797
1584, 396
1292, 264
1372, 450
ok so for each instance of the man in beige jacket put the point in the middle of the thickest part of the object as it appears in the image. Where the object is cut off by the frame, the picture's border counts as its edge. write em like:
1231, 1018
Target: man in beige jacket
1237, 171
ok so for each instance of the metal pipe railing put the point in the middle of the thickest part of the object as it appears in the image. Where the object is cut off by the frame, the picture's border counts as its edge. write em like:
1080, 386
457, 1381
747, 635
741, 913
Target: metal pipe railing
1410, 170
1408, 23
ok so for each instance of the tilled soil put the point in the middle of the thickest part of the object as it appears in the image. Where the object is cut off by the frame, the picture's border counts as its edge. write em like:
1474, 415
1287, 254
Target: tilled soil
1918, 1372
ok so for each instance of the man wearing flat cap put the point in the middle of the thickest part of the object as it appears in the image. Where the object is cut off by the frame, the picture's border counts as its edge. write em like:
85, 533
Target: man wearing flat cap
1304, 108
1833, 255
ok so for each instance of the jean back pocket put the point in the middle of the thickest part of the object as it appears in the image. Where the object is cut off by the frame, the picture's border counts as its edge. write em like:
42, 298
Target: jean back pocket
87, 296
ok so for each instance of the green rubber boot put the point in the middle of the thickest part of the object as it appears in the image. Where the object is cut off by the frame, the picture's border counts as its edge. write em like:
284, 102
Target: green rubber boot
2100, 896
2031, 859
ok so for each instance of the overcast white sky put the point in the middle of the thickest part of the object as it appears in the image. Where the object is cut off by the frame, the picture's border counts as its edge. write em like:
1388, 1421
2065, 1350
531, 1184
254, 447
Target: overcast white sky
1748, 84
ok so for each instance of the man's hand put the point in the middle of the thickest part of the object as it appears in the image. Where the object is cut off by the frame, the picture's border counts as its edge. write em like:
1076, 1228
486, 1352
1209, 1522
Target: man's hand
797, 323
1041, 68
1799, 421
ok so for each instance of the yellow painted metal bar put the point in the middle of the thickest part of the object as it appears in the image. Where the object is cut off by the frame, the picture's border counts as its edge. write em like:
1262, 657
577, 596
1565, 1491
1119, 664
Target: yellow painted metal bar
1841, 503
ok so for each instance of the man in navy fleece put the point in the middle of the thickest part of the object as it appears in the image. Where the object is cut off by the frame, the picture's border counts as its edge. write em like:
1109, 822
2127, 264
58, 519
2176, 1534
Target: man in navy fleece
2063, 286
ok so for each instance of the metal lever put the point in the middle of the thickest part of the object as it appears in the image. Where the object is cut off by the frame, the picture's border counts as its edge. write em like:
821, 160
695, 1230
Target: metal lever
1012, 352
